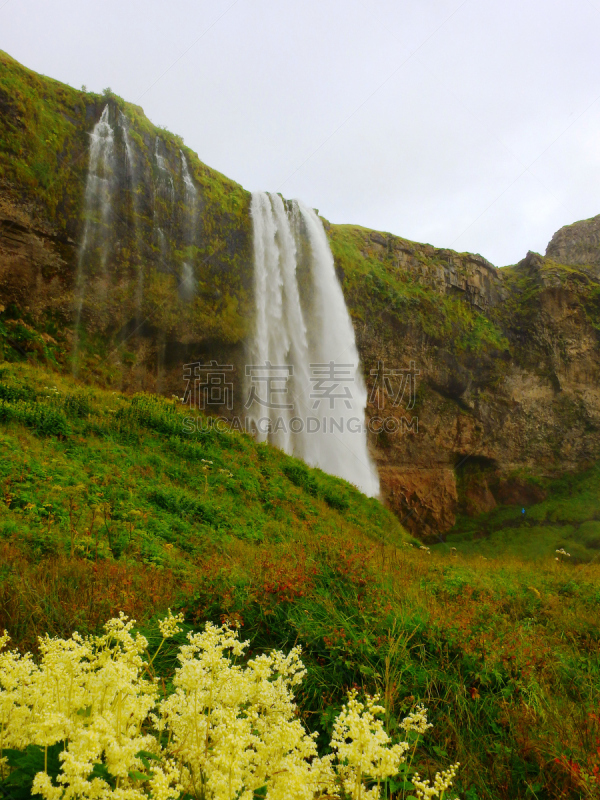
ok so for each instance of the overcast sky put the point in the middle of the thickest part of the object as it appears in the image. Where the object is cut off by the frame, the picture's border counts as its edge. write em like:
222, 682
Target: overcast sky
471, 124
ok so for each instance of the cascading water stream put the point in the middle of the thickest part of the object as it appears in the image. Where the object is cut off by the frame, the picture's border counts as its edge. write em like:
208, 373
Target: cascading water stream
190, 190
164, 198
132, 174
305, 382
187, 286
97, 232
140, 218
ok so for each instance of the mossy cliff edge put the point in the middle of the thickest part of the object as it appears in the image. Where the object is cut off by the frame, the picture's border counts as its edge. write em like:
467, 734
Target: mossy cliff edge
508, 362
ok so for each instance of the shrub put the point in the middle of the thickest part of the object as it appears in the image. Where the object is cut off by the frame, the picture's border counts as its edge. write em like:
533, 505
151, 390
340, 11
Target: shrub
96, 722
44, 419
300, 476
78, 405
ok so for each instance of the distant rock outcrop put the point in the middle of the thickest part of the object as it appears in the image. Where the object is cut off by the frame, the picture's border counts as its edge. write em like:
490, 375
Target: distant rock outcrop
577, 244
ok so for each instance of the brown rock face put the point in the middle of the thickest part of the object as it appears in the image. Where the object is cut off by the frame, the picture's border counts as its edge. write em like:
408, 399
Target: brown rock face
516, 492
485, 421
577, 244
478, 498
468, 275
424, 499
31, 260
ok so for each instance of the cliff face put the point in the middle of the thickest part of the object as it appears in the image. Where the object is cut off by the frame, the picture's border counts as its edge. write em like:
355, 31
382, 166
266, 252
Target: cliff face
122, 256
418, 312
508, 365
481, 380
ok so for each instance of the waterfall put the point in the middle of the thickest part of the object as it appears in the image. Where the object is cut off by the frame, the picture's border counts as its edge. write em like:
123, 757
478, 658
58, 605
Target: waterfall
187, 286
128, 150
164, 173
191, 192
164, 198
139, 232
305, 389
133, 182
97, 233
160, 159
98, 195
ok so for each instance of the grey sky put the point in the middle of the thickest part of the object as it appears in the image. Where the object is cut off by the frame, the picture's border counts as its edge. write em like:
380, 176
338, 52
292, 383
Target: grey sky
468, 124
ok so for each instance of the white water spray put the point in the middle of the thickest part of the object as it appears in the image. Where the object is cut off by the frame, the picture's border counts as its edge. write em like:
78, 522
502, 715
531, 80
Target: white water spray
187, 285
191, 192
305, 365
124, 125
164, 173
160, 159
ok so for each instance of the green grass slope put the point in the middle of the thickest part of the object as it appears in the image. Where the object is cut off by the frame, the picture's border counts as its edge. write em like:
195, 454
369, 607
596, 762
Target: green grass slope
568, 519
101, 475
106, 504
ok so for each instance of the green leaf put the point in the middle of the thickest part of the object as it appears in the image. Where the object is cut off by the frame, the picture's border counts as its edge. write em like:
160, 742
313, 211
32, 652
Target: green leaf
101, 771
25, 765
145, 757
145, 754
139, 776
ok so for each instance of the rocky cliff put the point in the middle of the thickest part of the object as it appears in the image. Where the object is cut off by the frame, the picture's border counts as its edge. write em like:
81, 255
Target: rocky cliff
483, 381
578, 244
508, 364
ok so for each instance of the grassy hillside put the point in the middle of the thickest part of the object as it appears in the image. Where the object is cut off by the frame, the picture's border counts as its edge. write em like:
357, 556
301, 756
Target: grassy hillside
103, 477
107, 505
568, 519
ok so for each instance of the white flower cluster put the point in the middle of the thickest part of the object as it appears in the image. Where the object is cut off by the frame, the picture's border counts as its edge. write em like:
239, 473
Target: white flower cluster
88, 693
441, 782
363, 747
416, 721
562, 552
224, 731
169, 626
